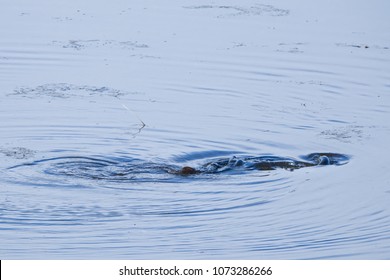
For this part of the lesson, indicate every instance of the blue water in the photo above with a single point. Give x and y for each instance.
(101, 106)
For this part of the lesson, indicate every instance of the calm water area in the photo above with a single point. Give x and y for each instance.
(102, 103)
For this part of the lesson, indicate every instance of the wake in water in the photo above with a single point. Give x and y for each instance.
(138, 170)
(264, 163)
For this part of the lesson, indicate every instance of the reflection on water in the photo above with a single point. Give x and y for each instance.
(124, 139)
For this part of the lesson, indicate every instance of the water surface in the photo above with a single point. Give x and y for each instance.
(98, 104)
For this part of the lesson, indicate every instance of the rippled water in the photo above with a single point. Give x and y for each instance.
(101, 106)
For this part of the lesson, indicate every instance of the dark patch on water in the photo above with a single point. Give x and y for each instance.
(344, 134)
(362, 46)
(257, 10)
(84, 44)
(17, 152)
(64, 90)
